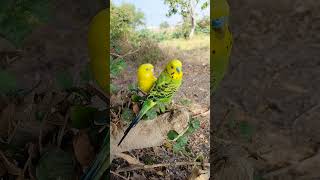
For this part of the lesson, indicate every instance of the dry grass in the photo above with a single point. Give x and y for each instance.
(197, 42)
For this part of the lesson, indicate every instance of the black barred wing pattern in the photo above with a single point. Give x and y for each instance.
(164, 88)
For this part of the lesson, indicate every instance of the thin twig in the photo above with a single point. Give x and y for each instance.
(99, 93)
(305, 113)
(129, 159)
(122, 56)
(40, 131)
(162, 165)
(112, 172)
(144, 94)
(201, 114)
(62, 129)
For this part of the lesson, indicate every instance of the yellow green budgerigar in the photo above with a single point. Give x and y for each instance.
(98, 45)
(145, 77)
(162, 91)
(221, 41)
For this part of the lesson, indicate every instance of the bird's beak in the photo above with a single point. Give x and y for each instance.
(178, 69)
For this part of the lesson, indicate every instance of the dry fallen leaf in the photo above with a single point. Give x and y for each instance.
(3, 170)
(11, 168)
(83, 149)
(198, 174)
(6, 117)
(135, 108)
(129, 159)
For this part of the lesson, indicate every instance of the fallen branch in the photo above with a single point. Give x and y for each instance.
(124, 55)
(129, 159)
(95, 90)
(162, 165)
(114, 173)
(201, 114)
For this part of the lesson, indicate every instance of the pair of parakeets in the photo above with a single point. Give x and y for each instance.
(159, 90)
(163, 88)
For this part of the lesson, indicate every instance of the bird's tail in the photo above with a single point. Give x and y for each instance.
(101, 163)
(145, 108)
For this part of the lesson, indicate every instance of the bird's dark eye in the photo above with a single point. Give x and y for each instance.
(218, 23)
(171, 67)
(147, 69)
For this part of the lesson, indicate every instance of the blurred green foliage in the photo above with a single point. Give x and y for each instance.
(124, 19)
(55, 164)
(246, 130)
(19, 17)
(64, 79)
(117, 66)
(164, 25)
(8, 82)
(127, 114)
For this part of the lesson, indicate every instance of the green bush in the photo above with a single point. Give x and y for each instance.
(156, 36)
(124, 19)
(149, 52)
(203, 26)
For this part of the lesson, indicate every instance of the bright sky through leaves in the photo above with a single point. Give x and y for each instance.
(155, 11)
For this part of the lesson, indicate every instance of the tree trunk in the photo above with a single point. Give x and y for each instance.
(193, 27)
(193, 19)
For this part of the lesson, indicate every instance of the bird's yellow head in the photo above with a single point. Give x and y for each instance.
(174, 69)
(220, 14)
(145, 71)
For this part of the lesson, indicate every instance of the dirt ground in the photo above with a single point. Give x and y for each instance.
(273, 87)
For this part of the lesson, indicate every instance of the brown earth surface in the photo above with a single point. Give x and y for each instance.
(269, 100)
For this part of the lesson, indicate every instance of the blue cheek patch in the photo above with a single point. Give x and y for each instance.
(218, 23)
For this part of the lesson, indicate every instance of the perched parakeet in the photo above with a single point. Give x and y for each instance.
(145, 77)
(221, 41)
(98, 45)
(162, 91)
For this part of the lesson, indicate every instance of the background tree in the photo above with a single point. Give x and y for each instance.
(187, 9)
(164, 25)
(124, 18)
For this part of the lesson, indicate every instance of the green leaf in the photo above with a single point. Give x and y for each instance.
(127, 114)
(172, 134)
(85, 74)
(195, 123)
(18, 18)
(180, 144)
(258, 177)
(151, 114)
(55, 164)
(246, 129)
(82, 116)
(117, 66)
(185, 102)
(132, 87)
(64, 79)
(113, 88)
(100, 117)
(162, 107)
(39, 115)
(136, 98)
(231, 120)
(204, 5)
(183, 140)
(8, 82)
